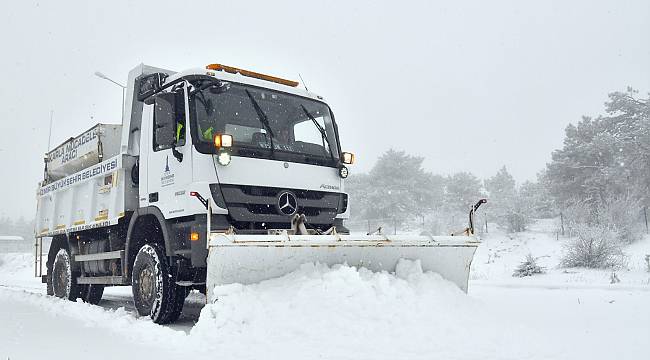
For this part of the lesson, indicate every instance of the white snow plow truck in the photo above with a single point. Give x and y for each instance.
(216, 175)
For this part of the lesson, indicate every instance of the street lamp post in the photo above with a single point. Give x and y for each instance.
(102, 76)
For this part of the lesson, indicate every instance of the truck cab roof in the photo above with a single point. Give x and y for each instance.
(238, 78)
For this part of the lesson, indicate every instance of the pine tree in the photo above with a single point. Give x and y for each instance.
(507, 206)
(395, 188)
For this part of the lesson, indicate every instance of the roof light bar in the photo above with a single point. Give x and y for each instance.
(253, 74)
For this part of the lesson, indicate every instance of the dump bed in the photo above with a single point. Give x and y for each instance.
(87, 183)
(94, 197)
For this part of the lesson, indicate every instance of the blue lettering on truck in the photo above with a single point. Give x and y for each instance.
(86, 174)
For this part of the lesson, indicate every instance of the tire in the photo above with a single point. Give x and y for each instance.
(92, 293)
(188, 291)
(155, 292)
(63, 278)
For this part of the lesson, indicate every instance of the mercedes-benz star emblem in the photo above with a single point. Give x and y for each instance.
(287, 203)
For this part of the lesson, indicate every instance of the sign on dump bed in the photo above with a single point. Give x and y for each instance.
(102, 141)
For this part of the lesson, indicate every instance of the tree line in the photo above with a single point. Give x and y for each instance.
(600, 177)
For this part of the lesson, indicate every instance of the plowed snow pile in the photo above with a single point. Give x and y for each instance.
(345, 313)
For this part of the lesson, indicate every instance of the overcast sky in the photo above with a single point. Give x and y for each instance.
(469, 85)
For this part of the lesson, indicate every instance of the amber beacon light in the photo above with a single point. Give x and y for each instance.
(252, 74)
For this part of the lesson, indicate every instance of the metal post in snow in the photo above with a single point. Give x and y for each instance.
(40, 256)
(35, 259)
(645, 216)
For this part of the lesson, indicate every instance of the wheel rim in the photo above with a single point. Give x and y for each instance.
(146, 286)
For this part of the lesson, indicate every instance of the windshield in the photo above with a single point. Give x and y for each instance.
(265, 123)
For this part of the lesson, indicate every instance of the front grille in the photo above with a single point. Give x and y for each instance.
(274, 192)
(256, 206)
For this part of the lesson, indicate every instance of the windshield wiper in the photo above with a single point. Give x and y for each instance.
(205, 84)
(320, 129)
(262, 117)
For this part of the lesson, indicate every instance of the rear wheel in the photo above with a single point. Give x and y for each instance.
(155, 292)
(63, 278)
(92, 293)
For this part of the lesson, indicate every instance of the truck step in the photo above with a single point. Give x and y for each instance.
(106, 280)
(118, 254)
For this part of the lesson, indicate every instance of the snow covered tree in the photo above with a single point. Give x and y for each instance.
(462, 190)
(540, 202)
(395, 188)
(502, 190)
(528, 267)
(506, 205)
(606, 162)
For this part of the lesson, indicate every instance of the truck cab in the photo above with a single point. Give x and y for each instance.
(258, 147)
(262, 151)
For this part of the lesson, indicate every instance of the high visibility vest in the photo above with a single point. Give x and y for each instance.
(208, 134)
(179, 129)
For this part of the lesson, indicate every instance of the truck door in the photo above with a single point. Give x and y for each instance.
(169, 169)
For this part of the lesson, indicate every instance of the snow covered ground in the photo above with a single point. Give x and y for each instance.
(345, 313)
(500, 253)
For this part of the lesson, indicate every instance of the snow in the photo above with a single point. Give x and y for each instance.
(35, 326)
(500, 253)
(346, 313)
(11, 238)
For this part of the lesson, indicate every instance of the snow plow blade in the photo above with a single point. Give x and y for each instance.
(248, 259)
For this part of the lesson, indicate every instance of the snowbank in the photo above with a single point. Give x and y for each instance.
(17, 270)
(345, 313)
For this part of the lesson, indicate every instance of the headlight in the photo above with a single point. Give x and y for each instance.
(223, 158)
(343, 172)
(222, 140)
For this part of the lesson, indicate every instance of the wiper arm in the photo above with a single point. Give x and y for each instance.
(262, 117)
(320, 129)
(206, 83)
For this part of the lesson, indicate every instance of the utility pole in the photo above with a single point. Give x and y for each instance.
(49, 136)
(102, 76)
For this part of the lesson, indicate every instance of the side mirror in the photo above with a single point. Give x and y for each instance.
(150, 84)
(164, 115)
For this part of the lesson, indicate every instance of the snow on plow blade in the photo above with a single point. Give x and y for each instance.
(248, 259)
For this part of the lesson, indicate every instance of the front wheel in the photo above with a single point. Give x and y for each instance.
(155, 292)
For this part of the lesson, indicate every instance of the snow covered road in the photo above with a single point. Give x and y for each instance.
(337, 313)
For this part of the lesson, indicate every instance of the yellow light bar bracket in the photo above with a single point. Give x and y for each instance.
(253, 74)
